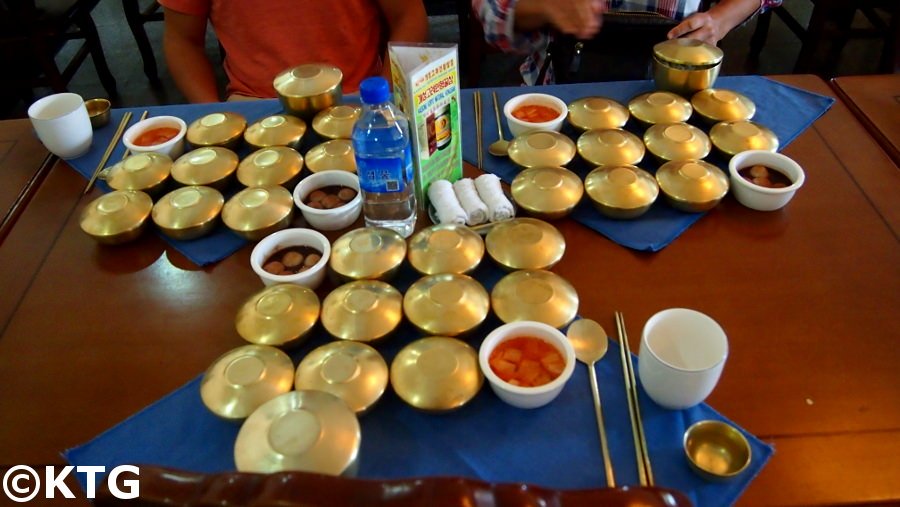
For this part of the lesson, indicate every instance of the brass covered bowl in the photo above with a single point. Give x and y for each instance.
(352, 371)
(244, 378)
(692, 185)
(188, 212)
(536, 295)
(597, 113)
(276, 130)
(660, 107)
(336, 154)
(445, 248)
(542, 148)
(336, 122)
(436, 374)
(280, 315)
(677, 141)
(278, 165)
(547, 192)
(525, 243)
(686, 66)
(307, 431)
(307, 89)
(363, 311)
(610, 147)
(447, 304)
(148, 172)
(368, 253)
(716, 450)
(217, 129)
(715, 105)
(212, 166)
(733, 137)
(117, 217)
(256, 212)
(621, 191)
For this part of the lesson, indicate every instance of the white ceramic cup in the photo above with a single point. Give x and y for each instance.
(62, 124)
(681, 357)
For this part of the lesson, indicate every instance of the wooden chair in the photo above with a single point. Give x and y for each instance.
(136, 15)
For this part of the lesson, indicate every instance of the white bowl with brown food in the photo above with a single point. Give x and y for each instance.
(764, 180)
(297, 256)
(329, 200)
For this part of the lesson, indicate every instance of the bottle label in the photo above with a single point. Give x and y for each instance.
(385, 175)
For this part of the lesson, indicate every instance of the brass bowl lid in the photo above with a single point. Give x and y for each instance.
(204, 166)
(690, 53)
(445, 248)
(692, 181)
(660, 107)
(334, 154)
(733, 137)
(436, 373)
(275, 130)
(610, 147)
(280, 314)
(525, 243)
(367, 253)
(363, 311)
(275, 165)
(542, 148)
(621, 187)
(537, 295)
(677, 141)
(352, 371)
(597, 113)
(447, 304)
(141, 171)
(216, 129)
(336, 122)
(257, 208)
(308, 431)
(308, 80)
(115, 213)
(188, 207)
(547, 190)
(244, 378)
(723, 105)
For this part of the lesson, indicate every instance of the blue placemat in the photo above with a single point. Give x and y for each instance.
(554, 446)
(788, 111)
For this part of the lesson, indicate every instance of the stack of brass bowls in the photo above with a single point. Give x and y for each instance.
(336, 154)
(733, 137)
(188, 212)
(244, 378)
(621, 191)
(363, 311)
(212, 167)
(148, 172)
(610, 147)
(116, 217)
(660, 107)
(686, 66)
(278, 165)
(336, 122)
(368, 253)
(525, 243)
(445, 248)
(352, 371)
(715, 105)
(597, 113)
(276, 130)
(436, 374)
(537, 295)
(256, 212)
(547, 192)
(542, 148)
(446, 304)
(677, 141)
(281, 315)
(307, 89)
(692, 185)
(217, 129)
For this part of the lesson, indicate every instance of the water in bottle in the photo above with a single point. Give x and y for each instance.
(381, 143)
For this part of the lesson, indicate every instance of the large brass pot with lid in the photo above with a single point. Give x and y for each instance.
(117, 217)
(256, 212)
(307, 89)
(686, 66)
(211, 166)
(244, 378)
(436, 374)
(147, 172)
(621, 191)
(217, 129)
(188, 212)
(692, 185)
(447, 304)
(276, 130)
(280, 315)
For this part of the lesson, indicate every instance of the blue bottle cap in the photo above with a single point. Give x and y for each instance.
(374, 90)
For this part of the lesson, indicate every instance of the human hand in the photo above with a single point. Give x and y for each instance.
(579, 18)
(701, 26)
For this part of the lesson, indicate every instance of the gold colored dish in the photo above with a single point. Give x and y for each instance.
(256, 212)
(336, 122)
(280, 315)
(689, 53)
(213, 167)
(692, 185)
(278, 165)
(542, 148)
(597, 113)
(306, 89)
(677, 141)
(188, 212)
(276, 130)
(117, 217)
(525, 243)
(148, 172)
(610, 147)
(686, 66)
(336, 154)
(445, 248)
(621, 191)
(244, 378)
(363, 311)
(352, 371)
(368, 253)
(715, 105)
(436, 374)
(537, 295)
(217, 129)
(447, 304)
(733, 137)
(547, 192)
(716, 450)
(660, 107)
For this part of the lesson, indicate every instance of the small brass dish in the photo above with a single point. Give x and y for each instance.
(307, 89)
(542, 148)
(660, 107)
(610, 147)
(99, 112)
(244, 378)
(446, 304)
(368, 253)
(436, 374)
(597, 113)
(715, 105)
(212, 167)
(352, 371)
(548, 193)
(525, 243)
(256, 212)
(277, 165)
(716, 450)
(336, 122)
(622, 192)
(537, 295)
(692, 185)
(336, 154)
(280, 315)
(276, 130)
(686, 66)
(307, 431)
(188, 212)
(217, 129)
(117, 217)
(148, 172)
(445, 248)
(363, 311)
(733, 137)
(677, 141)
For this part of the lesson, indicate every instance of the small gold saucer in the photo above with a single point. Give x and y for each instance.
(525, 243)
(538, 295)
(447, 304)
(445, 248)
(542, 148)
(280, 315)
(352, 371)
(363, 311)
(256, 212)
(436, 374)
(244, 378)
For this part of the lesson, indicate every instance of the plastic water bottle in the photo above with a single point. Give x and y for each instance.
(381, 143)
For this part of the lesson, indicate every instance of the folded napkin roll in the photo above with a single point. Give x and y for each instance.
(476, 210)
(490, 191)
(445, 203)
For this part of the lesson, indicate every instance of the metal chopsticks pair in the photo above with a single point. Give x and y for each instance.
(478, 142)
(109, 149)
(645, 472)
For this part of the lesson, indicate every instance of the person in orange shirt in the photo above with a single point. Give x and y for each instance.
(264, 37)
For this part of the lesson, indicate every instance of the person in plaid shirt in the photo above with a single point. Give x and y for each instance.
(522, 26)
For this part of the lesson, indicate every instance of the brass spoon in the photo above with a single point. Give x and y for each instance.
(500, 147)
(590, 343)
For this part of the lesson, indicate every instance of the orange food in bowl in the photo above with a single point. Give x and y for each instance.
(526, 361)
(534, 113)
(156, 136)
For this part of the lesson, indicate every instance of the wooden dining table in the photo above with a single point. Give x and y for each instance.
(808, 297)
(23, 163)
(875, 100)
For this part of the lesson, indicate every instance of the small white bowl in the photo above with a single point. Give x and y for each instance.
(527, 397)
(329, 219)
(174, 147)
(285, 238)
(761, 198)
(518, 127)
